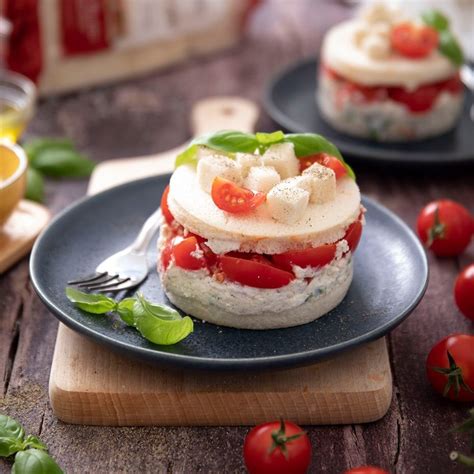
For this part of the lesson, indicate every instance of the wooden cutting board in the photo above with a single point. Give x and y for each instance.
(89, 384)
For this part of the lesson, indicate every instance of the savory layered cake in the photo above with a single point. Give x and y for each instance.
(260, 229)
(391, 78)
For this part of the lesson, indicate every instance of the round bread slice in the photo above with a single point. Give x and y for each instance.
(258, 232)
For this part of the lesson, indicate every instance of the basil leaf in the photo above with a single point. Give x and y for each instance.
(60, 162)
(92, 303)
(229, 141)
(150, 322)
(188, 157)
(311, 143)
(11, 436)
(125, 309)
(35, 461)
(32, 441)
(435, 19)
(38, 145)
(270, 138)
(158, 310)
(34, 185)
(449, 46)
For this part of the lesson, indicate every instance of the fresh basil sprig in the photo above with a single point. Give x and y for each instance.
(448, 44)
(55, 158)
(230, 142)
(31, 456)
(157, 323)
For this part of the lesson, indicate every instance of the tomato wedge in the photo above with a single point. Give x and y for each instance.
(326, 160)
(312, 257)
(254, 273)
(413, 41)
(419, 100)
(188, 255)
(353, 234)
(232, 198)
(164, 206)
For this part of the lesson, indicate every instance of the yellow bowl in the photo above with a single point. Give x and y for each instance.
(13, 164)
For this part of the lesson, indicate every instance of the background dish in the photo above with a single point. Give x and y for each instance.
(290, 101)
(97, 226)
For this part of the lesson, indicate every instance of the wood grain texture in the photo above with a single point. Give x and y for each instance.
(91, 385)
(18, 234)
(150, 115)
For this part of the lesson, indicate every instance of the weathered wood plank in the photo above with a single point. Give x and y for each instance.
(150, 115)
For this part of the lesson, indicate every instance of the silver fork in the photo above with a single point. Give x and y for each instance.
(467, 77)
(127, 268)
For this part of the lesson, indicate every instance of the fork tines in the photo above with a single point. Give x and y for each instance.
(100, 282)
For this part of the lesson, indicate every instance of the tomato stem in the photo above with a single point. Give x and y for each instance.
(454, 375)
(437, 230)
(280, 439)
(462, 459)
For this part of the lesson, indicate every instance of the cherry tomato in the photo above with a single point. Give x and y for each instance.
(258, 272)
(450, 367)
(187, 254)
(417, 101)
(353, 234)
(413, 41)
(277, 448)
(453, 85)
(232, 198)
(464, 292)
(311, 257)
(366, 470)
(326, 160)
(445, 227)
(164, 206)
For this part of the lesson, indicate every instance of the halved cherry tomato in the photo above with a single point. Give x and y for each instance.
(254, 273)
(445, 227)
(353, 234)
(464, 292)
(187, 254)
(413, 41)
(417, 101)
(326, 160)
(164, 206)
(453, 84)
(277, 448)
(232, 198)
(450, 367)
(312, 257)
(366, 470)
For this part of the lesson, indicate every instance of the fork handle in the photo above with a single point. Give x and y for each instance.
(148, 230)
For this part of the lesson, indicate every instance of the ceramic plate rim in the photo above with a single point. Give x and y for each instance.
(195, 362)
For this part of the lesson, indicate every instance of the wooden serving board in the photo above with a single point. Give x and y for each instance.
(89, 384)
(19, 232)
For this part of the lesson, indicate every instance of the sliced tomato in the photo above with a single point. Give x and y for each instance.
(419, 100)
(187, 254)
(164, 206)
(232, 198)
(312, 257)
(413, 41)
(326, 160)
(258, 274)
(166, 254)
(453, 85)
(353, 234)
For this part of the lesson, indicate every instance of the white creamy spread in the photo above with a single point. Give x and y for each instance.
(341, 51)
(241, 299)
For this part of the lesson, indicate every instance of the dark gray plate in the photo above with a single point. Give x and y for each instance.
(290, 101)
(390, 278)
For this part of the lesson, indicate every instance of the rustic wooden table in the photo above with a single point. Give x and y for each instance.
(151, 114)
